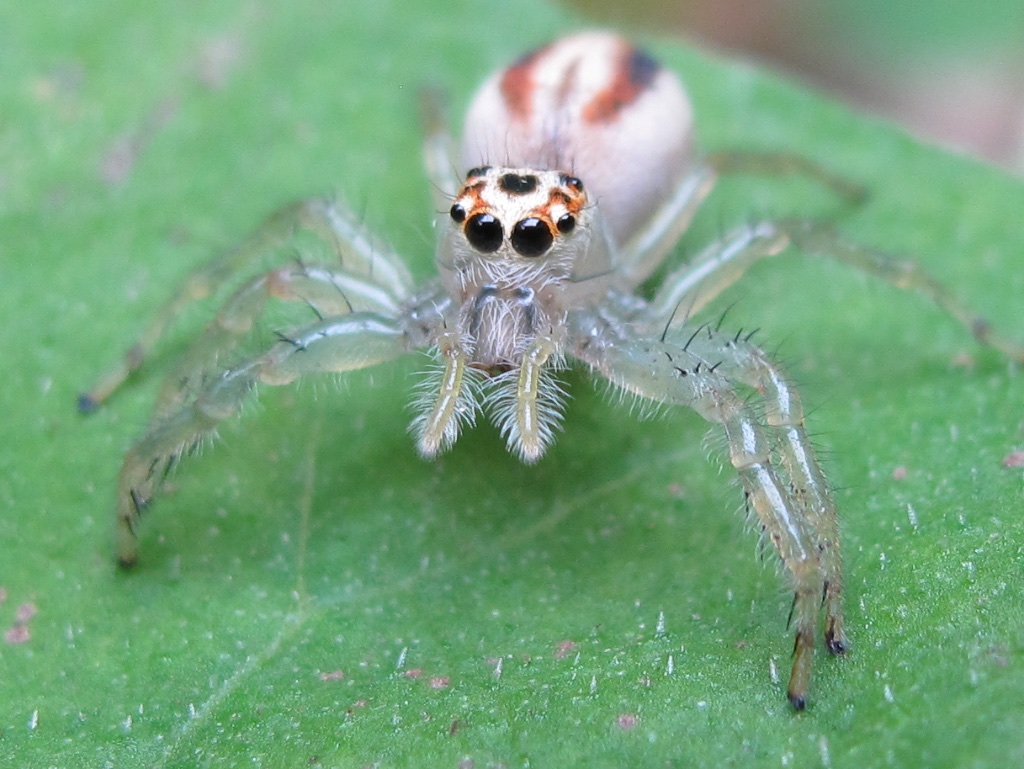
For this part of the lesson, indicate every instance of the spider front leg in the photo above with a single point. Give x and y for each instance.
(801, 526)
(326, 292)
(333, 224)
(354, 341)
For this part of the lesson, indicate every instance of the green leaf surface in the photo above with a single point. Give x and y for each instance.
(312, 593)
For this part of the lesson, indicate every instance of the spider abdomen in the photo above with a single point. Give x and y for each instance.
(593, 105)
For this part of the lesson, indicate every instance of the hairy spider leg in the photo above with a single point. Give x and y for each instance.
(453, 404)
(720, 265)
(671, 373)
(906, 274)
(646, 250)
(335, 225)
(691, 287)
(525, 412)
(325, 291)
(773, 163)
(740, 361)
(354, 341)
(526, 418)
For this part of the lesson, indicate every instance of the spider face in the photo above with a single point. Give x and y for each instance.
(512, 243)
(517, 214)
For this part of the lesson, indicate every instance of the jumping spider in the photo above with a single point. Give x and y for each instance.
(582, 179)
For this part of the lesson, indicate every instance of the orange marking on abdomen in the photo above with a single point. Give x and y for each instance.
(517, 84)
(634, 73)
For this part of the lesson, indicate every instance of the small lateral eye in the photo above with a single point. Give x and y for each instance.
(566, 223)
(484, 233)
(458, 213)
(572, 182)
(531, 237)
(477, 171)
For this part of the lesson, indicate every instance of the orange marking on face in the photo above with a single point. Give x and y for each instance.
(573, 203)
(471, 197)
(568, 196)
(559, 196)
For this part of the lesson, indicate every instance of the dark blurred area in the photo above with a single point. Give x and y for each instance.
(951, 71)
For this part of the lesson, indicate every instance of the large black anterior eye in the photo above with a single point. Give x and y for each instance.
(531, 237)
(484, 233)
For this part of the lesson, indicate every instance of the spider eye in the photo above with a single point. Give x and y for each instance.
(531, 237)
(572, 182)
(484, 233)
(458, 213)
(518, 184)
(566, 223)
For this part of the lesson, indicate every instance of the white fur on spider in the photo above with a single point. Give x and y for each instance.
(592, 105)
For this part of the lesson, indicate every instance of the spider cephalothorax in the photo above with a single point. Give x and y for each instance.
(509, 255)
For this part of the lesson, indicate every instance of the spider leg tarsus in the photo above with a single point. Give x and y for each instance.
(981, 329)
(87, 403)
(800, 679)
(834, 644)
(127, 562)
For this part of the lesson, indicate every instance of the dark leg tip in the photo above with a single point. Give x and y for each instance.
(836, 645)
(798, 701)
(127, 562)
(87, 404)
